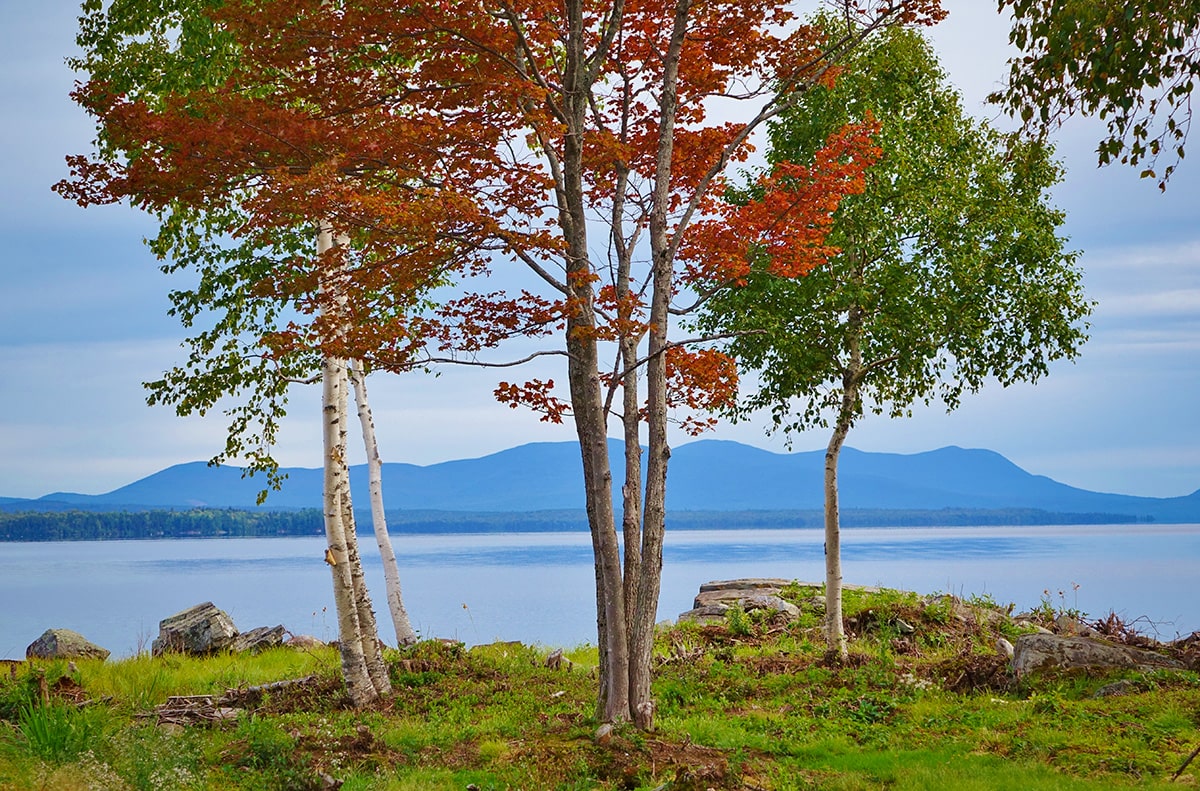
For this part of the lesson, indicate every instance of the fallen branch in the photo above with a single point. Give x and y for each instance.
(1190, 758)
(209, 709)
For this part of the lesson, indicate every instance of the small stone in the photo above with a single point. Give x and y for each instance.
(1115, 689)
(304, 641)
(904, 626)
(1005, 648)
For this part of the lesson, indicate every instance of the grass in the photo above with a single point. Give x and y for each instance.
(923, 703)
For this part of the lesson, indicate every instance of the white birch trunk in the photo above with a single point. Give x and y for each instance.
(354, 642)
(359, 685)
(405, 635)
(835, 633)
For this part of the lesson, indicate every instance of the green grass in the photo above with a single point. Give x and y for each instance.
(753, 704)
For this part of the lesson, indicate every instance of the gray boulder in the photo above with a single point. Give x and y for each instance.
(199, 630)
(64, 644)
(771, 603)
(260, 639)
(1047, 651)
(757, 593)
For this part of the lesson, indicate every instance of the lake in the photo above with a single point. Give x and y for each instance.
(539, 587)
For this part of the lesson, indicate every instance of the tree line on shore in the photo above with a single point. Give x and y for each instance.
(79, 525)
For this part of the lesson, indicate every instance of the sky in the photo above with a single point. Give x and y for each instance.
(83, 320)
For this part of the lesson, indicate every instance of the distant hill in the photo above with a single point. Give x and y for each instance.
(709, 475)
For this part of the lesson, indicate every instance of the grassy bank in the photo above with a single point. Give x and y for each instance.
(749, 704)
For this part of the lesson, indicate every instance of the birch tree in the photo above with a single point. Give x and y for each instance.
(950, 270)
(213, 219)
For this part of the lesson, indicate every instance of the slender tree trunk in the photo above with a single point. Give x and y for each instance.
(583, 376)
(659, 451)
(835, 634)
(631, 490)
(372, 648)
(391, 573)
(358, 681)
(357, 640)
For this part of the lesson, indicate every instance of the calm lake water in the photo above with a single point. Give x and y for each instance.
(539, 587)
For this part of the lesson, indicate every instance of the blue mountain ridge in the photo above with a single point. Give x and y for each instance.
(707, 475)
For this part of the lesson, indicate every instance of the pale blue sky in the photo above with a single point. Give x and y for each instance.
(83, 320)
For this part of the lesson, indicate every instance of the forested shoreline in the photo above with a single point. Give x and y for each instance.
(82, 525)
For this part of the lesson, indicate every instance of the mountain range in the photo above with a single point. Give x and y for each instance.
(707, 475)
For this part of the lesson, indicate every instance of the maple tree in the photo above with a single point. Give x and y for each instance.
(1133, 64)
(441, 139)
(615, 99)
(949, 269)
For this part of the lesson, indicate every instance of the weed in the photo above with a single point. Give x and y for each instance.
(738, 621)
(59, 732)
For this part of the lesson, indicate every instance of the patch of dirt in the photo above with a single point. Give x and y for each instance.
(971, 672)
(315, 694)
(68, 690)
(358, 747)
(687, 766)
(779, 664)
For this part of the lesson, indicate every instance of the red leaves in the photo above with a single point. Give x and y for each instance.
(700, 380)
(788, 218)
(484, 321)
(535, 395)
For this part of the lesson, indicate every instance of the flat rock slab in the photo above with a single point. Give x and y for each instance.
(756, 593)
(203, 629)
(772, 583)
(260, 639)
(64, 644)
(1048, 651)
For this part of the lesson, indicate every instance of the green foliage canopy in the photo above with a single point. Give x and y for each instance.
(951, 270)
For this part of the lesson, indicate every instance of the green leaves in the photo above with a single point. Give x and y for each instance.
(1133, 64)
(951, 271)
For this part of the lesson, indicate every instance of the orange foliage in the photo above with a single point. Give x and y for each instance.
(433, 135)
(789, 218)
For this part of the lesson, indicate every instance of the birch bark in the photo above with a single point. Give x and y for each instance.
(835, 634)
(359, 685)
(405, 635)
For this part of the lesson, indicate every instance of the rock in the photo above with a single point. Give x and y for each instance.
(726, 597)
(259, 639)
(304, 641)
(1122, 687)
(775, 584)
(710, 613)
(1005, 648)
(712, 606)
(1041, 651)
(64, 644)
(771, 603)
(198, 630)
(904, 627)
(1031, 626)
(1068, 625)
